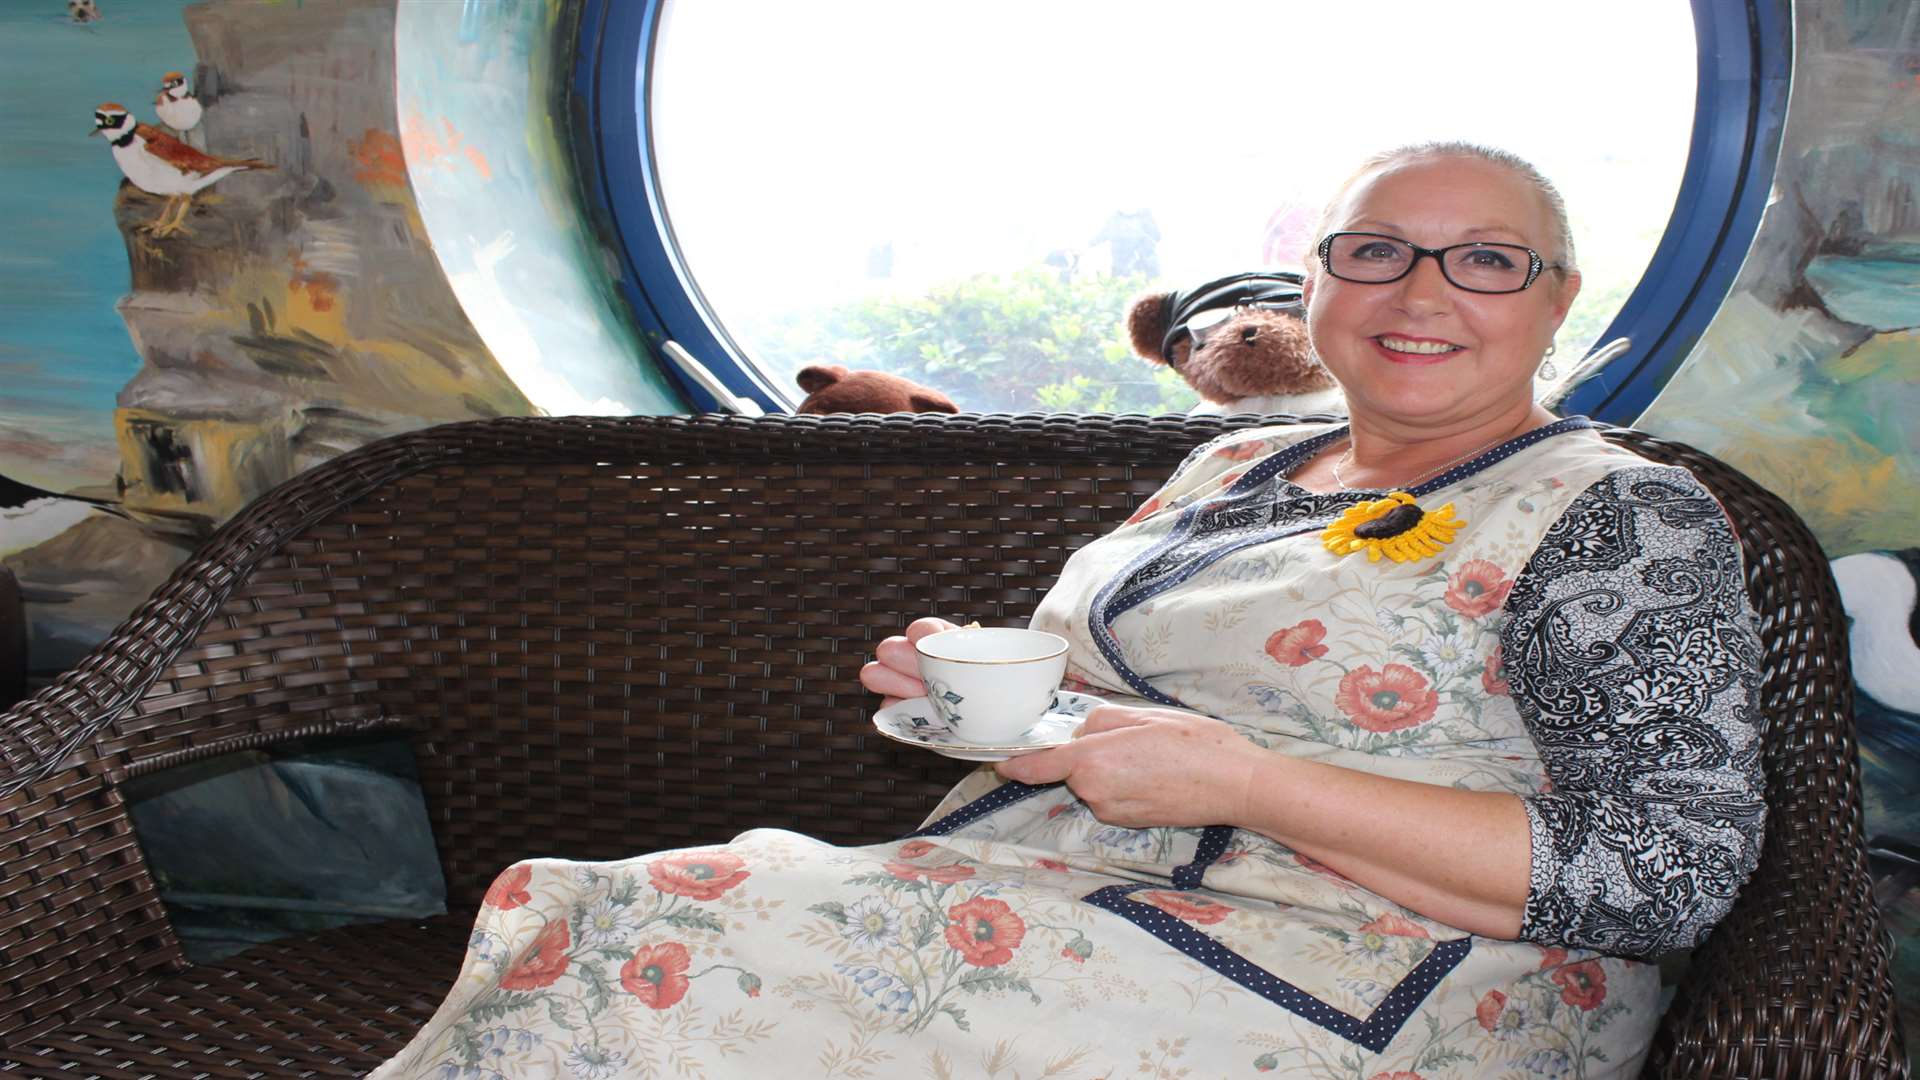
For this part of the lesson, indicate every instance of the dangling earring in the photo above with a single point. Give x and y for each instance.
(1547, 371)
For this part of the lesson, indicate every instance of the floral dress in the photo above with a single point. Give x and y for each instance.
(1581, 640)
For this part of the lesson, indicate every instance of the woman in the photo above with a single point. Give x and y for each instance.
(1418, 727)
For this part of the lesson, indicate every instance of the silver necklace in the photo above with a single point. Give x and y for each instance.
(1347, 457)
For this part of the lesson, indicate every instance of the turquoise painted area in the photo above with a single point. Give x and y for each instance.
(64, 352)
(1879, 287)
(476, 91)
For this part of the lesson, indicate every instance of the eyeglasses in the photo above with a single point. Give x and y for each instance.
(1482, 268)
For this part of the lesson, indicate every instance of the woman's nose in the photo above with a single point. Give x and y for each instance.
(1425, 286)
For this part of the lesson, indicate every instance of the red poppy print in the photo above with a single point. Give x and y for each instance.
(1392, 698)
(1054, 865)
(697, 875)
(1315, 866)
(509, 890)
(945, 875)
(657, 975)
(984, 932)
(1298, 644)
(1186, 906)
(543, 962)
(1396, 926)
(1492, 1004)
(1552, 956)
(1583, 984)
(1477, 588)
(913, 849)
(1493, 679)
(1147, 510)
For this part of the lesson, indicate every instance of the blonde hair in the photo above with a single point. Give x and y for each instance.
(1564, 261)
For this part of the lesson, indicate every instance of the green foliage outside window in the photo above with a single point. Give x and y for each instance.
(1032, 341)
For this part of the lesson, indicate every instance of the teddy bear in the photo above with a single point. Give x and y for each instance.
(1241, 342)
(833, 389)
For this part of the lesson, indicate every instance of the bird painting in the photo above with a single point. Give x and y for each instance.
(177, 107)
(83, 11)
(160, 164)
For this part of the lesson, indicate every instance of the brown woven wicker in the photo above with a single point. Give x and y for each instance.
(615, 635)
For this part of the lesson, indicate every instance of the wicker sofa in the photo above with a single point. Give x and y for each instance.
(607, 636)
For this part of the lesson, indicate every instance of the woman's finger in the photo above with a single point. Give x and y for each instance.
(1111, 718)
(931, 624)
(897, 653)
(891, 682)
(1044, 767)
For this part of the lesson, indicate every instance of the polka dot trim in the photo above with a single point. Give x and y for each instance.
(1213, 844)
(1373, 1033)
(1007, 794)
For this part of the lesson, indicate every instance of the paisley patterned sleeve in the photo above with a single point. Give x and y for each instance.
(1632, 655)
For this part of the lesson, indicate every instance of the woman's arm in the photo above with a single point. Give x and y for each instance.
(1633, 660)
(1459, 857)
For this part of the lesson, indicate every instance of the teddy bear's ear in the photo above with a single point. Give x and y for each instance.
(1147, 324)
(924, 400)
(819, 376)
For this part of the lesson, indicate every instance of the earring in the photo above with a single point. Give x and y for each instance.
(1547, 371)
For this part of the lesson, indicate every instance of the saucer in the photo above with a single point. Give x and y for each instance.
(914, 722)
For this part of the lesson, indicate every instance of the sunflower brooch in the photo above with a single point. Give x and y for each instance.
(1394, 526)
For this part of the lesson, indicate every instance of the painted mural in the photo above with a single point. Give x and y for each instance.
(259, 261)
(493, 175)
(1809, 380)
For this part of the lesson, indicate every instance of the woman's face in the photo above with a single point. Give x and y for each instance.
(1419, 352)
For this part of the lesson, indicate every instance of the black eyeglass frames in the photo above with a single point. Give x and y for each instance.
(1376, 259)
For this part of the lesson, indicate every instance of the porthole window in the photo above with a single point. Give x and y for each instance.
(971, 195)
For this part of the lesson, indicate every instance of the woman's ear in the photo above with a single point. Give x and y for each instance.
(1564, 296)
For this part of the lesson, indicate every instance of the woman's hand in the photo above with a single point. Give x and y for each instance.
(1139, 767)
(894, 671)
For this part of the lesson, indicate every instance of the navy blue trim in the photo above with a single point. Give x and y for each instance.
(1373, 1033)
(1495, 456)
(1213, 844)
(613, 65)
(1740, 109)
(1006, 795)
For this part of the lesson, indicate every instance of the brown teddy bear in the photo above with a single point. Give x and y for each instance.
(833, 389)
(1241, 342)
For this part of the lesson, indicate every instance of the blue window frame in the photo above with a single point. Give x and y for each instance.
(1745, 61)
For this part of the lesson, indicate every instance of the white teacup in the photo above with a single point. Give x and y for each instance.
(990, 684)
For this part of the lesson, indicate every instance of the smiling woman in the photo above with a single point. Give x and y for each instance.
(976, 215)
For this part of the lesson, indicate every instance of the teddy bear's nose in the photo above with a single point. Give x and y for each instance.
(1247, 335)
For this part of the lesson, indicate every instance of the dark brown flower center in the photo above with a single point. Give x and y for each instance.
(1390, 524)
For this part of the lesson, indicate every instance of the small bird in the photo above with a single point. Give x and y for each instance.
(160, 164)
(83, 11)
(176, 105)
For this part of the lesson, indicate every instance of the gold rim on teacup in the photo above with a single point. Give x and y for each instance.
(1064, 645)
